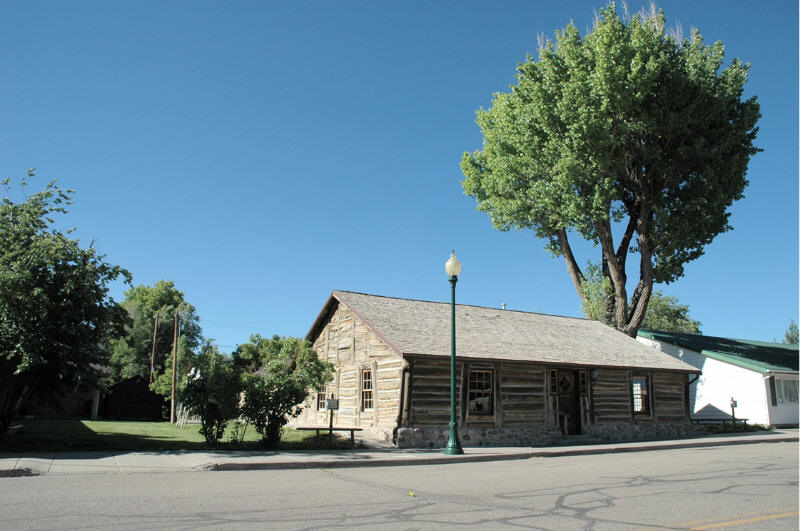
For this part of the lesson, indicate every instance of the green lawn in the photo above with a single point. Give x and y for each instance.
(58, 435)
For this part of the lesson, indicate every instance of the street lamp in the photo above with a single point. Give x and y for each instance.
(453, 268)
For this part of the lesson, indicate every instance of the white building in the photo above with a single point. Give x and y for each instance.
(761, 377)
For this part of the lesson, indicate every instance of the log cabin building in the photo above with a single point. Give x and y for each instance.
(522, 378)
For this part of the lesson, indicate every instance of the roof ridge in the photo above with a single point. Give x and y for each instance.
(465, 305)
(414, 327)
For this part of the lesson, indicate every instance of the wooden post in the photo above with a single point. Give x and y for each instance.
(153, 352)
(330, 430)
(174, 363)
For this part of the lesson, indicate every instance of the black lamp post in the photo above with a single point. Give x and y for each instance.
(453, 268)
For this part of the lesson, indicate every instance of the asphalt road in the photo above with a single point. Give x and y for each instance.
(742, 487)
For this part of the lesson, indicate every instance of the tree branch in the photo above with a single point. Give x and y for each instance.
(572, 266)
(616, 273)
(625, 242)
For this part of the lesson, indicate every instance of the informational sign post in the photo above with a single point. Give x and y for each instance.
(332, 404)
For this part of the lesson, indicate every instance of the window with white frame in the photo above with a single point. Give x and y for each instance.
(641, 395)
(480, 392)
(321, 397)
(367, 401)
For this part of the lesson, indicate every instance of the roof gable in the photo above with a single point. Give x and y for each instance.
(412, 327)
(754, 355)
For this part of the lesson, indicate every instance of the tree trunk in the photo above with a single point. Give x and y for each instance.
(616, 270)
(645, 287)
(572, 266)
(622, 316)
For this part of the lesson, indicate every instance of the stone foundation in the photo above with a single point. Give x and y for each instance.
(436, 437)
(622, 431)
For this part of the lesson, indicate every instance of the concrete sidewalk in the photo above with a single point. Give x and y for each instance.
(24, 464)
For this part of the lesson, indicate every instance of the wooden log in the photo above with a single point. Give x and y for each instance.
(524, 393)
(531, 416)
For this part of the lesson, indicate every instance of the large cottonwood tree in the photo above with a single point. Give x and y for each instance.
(631, 137)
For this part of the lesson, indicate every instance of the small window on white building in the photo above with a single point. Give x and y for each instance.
(787, 392)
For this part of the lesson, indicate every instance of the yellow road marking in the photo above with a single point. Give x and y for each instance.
(747, 520)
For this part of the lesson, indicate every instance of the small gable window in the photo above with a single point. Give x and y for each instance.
(366, 390)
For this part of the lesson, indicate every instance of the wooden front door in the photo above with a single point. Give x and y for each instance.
(569, 405)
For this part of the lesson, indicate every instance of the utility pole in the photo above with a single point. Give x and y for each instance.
(174, 363)
(153, 353)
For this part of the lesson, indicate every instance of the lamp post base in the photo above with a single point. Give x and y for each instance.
(453, 444)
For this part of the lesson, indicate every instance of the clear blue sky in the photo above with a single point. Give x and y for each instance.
(261, 154)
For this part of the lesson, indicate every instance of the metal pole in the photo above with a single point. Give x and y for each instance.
(153, 353)
(330, 431)
(453, 444)
(174, 361)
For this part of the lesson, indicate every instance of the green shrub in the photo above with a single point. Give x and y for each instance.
(212, 393)
(289, 368)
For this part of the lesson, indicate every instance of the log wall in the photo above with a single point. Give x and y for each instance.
(352, 347)
(523, 395)
(429, 392)
(669, 397)
(611, 397)
(519, 394)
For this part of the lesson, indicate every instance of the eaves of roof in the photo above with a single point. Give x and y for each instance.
(745, 363)
(753, 355)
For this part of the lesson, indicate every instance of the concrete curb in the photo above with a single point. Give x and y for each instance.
(587, 450)
(397, 461)
(527, 454)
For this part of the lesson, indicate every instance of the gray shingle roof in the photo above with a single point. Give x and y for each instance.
(421, 327)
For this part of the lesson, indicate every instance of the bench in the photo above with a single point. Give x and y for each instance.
(720, 420)
(331, 430)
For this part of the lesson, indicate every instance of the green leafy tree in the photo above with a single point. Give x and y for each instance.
(131, 353)
(667, 314)
(212, 392)
(56, 316)
(595, 290)
(250, 357)
(630, 137)
(664, 313)
(286, 369)
(791, 335)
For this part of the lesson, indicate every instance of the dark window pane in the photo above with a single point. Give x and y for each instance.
(480, 392)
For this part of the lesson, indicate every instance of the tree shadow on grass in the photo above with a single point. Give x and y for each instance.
(75, 435)
(69, 435)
